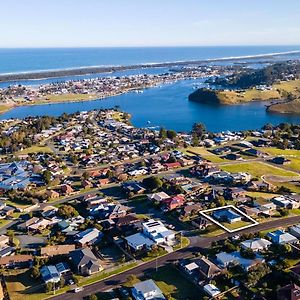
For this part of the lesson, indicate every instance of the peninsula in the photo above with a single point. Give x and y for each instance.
(95, 88)
(279, 84)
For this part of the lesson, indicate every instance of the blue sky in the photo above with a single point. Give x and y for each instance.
(67, 23)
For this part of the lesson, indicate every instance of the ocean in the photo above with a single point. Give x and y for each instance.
(42, 59)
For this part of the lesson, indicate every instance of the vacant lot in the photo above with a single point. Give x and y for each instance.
(257, 169)
(203, 152)
(280, 152)
(36, 149)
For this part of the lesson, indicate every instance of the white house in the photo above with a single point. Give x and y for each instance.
(147, 290)
(157, 232)
(211, 290)
(158, 196)
(256, 244)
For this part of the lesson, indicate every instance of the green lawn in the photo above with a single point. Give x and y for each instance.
(261, 195)
(4, 222)
(35, 149)
(257, 169)
(102, 275)
(172, 283)
(211, 231)
(184, 242)
(293, 187)
(236, 225)
(280, 152)
(204, 153)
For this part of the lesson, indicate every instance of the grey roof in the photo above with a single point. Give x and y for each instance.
(82, 257)
(256, 244)
(148, 286)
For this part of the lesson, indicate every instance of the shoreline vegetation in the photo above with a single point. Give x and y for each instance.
(110, 69)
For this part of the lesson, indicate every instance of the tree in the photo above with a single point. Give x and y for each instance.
(284, 212)
(62, 282)
(49, 287)
(195, 140)
(152, 183)
(67, 211)
(171, 134)
(86, 175)
(247, 253)
(198, 130)
(35, 272)
(162, 133)
(93, 297)
(47, 176)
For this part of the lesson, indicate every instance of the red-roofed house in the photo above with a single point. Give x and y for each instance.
(174, 202)
(173, 165)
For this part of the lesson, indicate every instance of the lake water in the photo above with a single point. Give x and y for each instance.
(168, 106)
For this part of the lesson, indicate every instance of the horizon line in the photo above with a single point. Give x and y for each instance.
(148, 46)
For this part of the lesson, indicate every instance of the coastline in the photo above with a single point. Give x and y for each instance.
(7, 77)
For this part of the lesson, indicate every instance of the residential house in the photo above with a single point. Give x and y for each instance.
(54, 273)
(211, 290)
(25, 225)
(225, 260)
(173, 202)
(85, 261)
(157, 232)
(158, 197)
(126, 221)
(191, 209)
(52, 194)
(257, 244)
(66, 189)
(139, 241)
(285, 202)
(147, 290)
(295, 231)
(50, 274)
(49, 211)
(281, 237)
(279, 160)
(89, 236)
(206, 268)
(17, 261)
(133, 187)
(227, 215)
(4, 241)
(249, 210)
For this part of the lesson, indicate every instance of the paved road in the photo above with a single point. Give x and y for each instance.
(197, 243)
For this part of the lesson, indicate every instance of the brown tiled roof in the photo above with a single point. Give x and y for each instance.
(15, 259)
